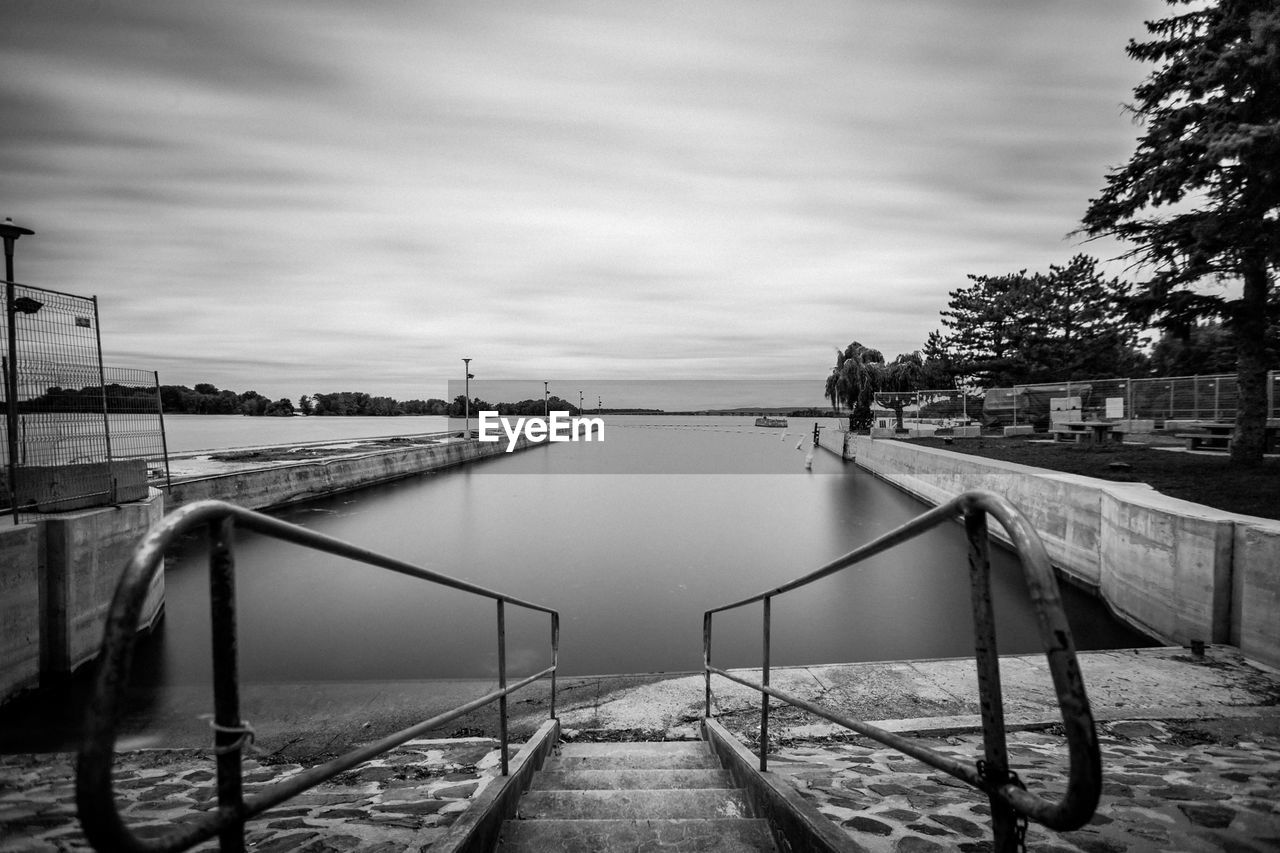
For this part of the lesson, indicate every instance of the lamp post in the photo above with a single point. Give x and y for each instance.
(546, 400)
(579, 402)
(11, 233)
(466, 396)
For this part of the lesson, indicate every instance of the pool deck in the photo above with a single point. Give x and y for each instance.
(1191, 751)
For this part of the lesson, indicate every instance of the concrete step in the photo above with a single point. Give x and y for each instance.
(589, 780)
(633, 804)
(669, 755)
(636, 836)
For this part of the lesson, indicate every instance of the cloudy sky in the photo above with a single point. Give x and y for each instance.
(302, 196)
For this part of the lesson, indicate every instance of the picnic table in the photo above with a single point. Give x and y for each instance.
(1087, 432)
(1216, 435)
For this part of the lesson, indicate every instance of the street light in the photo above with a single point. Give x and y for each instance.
(579, 402)
(546, 400)
(11, 233)
(466, 396)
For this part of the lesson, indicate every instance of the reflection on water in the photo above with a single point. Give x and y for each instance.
(631, 539)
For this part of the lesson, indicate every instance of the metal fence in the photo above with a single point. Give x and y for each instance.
(1211, 397)
(76, 433)
(940, 407)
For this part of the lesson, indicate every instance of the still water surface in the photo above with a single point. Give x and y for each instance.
(631, 539)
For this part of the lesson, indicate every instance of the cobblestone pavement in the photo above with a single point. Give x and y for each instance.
(1166, 786)
(1199, 785)
(398, 802)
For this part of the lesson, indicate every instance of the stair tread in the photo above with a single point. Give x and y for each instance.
(637, 836)
(633, 755)
(625, 778)
(634, 803)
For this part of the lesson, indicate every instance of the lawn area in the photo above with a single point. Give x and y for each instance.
(1208, 479)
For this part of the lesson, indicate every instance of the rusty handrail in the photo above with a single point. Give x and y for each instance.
(1011, 803)
(95, 797)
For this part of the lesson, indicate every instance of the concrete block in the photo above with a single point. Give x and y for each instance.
(1137, 426)
(85, 553)
(1256, 591)
(19, 607)
(966, 432)
(884, 432)
(1166, 563)
(60, 488)
(1020, 429)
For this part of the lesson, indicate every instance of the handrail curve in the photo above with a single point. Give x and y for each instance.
(102, 823)
(1009, 798)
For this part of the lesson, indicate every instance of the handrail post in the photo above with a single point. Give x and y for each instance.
(764, 697)
(706, 658)
(555, 658)
(229, 730)
(502, 684)
(995, 767)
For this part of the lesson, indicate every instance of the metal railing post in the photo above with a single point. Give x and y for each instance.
(555, 658)
(706, 658)
(995, 767)
(764, 697)
(229, 731)
(502, 684)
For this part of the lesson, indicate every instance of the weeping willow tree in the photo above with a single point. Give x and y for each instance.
(861, 372)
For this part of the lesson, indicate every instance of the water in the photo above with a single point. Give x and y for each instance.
(185, 433)
(631, 539)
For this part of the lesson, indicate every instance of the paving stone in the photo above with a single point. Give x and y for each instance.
(1213, 817)
(869, 825)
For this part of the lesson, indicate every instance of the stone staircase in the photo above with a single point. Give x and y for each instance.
(602, 797)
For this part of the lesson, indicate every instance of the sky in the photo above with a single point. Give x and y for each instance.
(302, 196)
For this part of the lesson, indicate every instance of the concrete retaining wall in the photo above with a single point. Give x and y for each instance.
(58, 574)
(85, 553)
(19, 607)
(276, 485)
(1176, 569)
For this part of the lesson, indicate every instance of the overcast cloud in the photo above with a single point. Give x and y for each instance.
(302, 196)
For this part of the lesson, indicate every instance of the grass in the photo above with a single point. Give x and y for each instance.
(1205, 478)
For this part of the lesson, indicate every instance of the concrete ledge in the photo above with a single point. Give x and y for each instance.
(279, 484)
(480, 825)
(799, 823)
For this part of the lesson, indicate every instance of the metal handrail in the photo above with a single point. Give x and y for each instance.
(95, 798)
(1011, 803)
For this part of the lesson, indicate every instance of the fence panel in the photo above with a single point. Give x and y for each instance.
(77, 434)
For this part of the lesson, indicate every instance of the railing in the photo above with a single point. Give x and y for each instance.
(94, 796)
(1011, 803)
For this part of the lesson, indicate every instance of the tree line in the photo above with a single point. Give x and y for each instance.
(1198, 204)
(208, 399)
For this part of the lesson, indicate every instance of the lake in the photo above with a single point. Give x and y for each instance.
(631, 539)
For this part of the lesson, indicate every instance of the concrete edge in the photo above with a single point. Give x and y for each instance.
(970, 723)
(803, 828)
(476, 830)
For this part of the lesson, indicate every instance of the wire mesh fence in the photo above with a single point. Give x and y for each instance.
(77, 434)
(939, 407)
(1213, 397)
